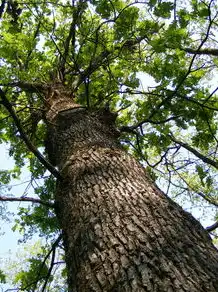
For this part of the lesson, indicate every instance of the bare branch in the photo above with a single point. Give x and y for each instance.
(212, 52)
(139, 124)
(207, 198)
(71, 38)
(25, 138)
(195, 152)
(26, 199)
(212, 227)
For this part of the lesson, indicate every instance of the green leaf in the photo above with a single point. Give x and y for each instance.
(2, 277)
(201, 173)
(204, 12)
(36, 272)
(152, 3)
(104, 8)
(163, 9)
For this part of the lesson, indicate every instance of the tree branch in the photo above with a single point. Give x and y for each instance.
(51, 251)
(207, 198)
(50, 269)
(25, 138)
(35, 35)
(38, 278)
(212, 227)
(195, 152)
(176, 91)
(202, 105)
(95, 64)
(212, 52)
(139, 124)
(31, 87)
(99, 60)
(26, 199)
(190, 188)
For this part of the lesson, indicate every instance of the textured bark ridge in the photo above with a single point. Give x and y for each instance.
(121, 233)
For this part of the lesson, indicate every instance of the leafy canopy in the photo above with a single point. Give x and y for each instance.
(154, 62)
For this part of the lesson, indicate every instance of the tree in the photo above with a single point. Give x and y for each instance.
(69, 72)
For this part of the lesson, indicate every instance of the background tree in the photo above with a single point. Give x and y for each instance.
(83, 60)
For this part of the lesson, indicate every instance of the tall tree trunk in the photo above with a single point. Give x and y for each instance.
(121, 233)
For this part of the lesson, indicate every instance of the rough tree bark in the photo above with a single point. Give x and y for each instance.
(121, 233)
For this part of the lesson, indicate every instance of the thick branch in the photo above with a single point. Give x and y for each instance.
(31, 87)
(26, 199)
(67, 47)
(207, 198)
(212, 52)
(212, 227)
(24, 137)
(195, 152)
(71, 38)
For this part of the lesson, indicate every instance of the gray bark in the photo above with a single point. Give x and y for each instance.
(121, 233)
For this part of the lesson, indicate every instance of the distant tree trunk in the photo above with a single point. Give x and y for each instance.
(121, 233)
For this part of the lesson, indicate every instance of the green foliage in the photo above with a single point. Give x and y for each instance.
(27, 279)
(163, 9)
(41, 219)
(38, 219)
(151, 61)
(2, 277)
